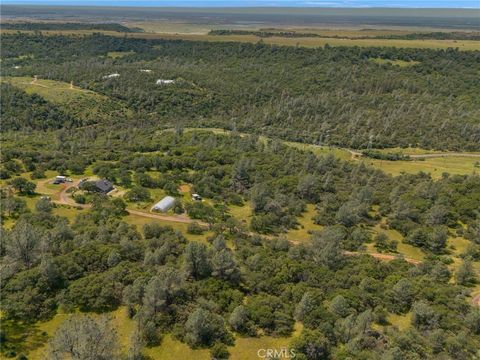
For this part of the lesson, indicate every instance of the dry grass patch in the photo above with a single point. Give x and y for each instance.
(303, 233)
(402, 322)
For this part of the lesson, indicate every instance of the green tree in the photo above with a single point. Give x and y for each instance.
(204, 328)
(473, 320)
(83, 337)
(240, 322)
(312, 344)
(219, 351)
(339, 306)
(44, 205)
(196, 263)
(465, 273)
(23, 186)
(438, 239)
(423, 316)
(161, 291)
(326, 247)
(224, 266)
(23, 244)
(401, 296)
(137, 194)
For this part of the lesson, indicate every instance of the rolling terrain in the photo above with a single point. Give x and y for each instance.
(339, 185)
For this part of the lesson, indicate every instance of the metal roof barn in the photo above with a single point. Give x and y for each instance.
(165, 204)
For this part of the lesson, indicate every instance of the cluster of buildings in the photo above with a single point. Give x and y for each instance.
(104, 186)
(158, 82)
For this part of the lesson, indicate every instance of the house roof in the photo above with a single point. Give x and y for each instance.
(104, 185)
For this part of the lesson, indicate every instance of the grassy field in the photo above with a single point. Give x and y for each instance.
(400, 63)
(36, 337)
(434, 166)
(139, 221)
(302, 234)
(402, 322)
(54, 91)
(80, 102)
(457, 165)
(119, 54)
(312, 42)
(407, 250)
(417, 151)
(321, 150)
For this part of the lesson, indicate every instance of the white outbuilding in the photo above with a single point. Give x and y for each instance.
(164, 82)
(115, 75)
(165, 204)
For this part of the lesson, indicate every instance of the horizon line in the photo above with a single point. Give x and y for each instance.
(3, 3)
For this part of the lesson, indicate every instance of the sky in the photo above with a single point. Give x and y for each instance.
(266, 3)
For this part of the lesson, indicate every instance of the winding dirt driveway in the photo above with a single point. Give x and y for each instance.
(66, 199)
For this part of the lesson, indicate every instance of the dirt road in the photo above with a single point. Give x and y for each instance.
(180, 219)
(476, 300)
(66, 199)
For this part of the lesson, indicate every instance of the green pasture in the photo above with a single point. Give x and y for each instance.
(400, 63)
(34, 340)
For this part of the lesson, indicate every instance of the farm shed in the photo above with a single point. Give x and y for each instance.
(165, 204)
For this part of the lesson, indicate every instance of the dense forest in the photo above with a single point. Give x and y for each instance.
(438, 35)
(198, 291)
(243, 278)
(329, 95)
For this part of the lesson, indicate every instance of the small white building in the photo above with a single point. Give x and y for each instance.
(115, 75)
(164, 82)
(165, 204)
(146, 70)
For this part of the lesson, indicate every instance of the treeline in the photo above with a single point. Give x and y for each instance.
(375, 154)
(266, 33)
(38, 26)
(438, 35)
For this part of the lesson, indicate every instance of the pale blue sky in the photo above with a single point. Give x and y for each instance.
(266, 3)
